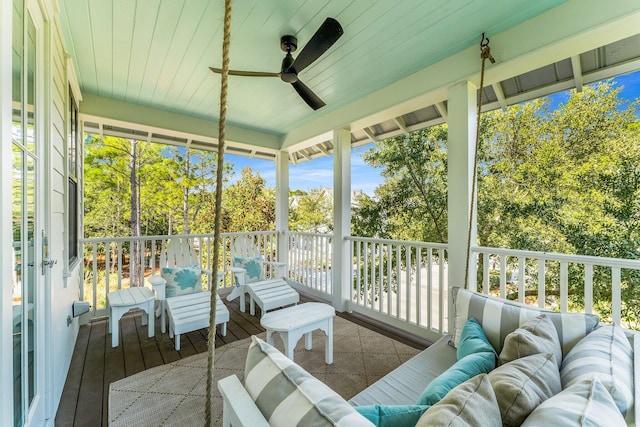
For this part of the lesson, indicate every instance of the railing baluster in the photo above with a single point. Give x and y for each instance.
(588, 288)
(119, 265)
(564, 287)
(382, 277)
(429, 288)
(442, 290)
(94, 253)
(521, 279)
(541, 283)
(409, 265)
(399, 280)
(486, 277)
(503, 276)
(418, 285)
(616, 301)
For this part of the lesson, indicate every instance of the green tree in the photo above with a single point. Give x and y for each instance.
(312, 212)
(412, 202)
(248, 204)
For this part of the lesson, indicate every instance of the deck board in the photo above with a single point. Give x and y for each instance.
(95, 364)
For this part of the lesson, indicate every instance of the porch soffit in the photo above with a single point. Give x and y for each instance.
(604, 43)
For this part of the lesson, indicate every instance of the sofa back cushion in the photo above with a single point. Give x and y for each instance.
(287, 395)
(500, 317)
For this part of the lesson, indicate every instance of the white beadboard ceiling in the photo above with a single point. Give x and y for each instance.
(155, 54)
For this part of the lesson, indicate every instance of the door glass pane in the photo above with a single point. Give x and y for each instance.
(17, 206)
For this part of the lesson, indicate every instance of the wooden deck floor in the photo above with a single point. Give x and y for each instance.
(95, 364)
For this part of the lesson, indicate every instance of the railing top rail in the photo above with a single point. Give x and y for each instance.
(399, 242)
(306, 233)
(169, 236)
(550, 256)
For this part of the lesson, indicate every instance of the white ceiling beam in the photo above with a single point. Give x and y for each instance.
(322, 150)
(502, 100)
(372, 136)
(305, 155)
(442, 110)
(292, 158)
(577, 72)
(401, 124)
(106, 111)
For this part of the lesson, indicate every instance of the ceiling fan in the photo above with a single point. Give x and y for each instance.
(328, 33)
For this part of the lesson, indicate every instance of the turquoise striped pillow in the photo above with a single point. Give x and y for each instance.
(289, 396)
(607, 353)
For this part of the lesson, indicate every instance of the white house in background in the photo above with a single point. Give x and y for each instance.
(140, 70)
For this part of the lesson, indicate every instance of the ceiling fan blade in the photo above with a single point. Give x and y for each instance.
(245, 73)
(328, 33)
(307, 94)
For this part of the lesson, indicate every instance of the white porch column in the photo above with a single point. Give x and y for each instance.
(462, 134)
(340, 262)
(282, 205)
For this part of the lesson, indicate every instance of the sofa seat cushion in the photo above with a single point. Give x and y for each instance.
(287, 395)
(536, 336)
(392, 415)
(585, 403)
(523, 384)
(472, 403)
(403, 385)
(605, 352)
(500, 317)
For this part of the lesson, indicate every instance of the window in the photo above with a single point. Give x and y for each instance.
(72, 198)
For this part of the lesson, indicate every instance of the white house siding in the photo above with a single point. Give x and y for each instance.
(64, 286)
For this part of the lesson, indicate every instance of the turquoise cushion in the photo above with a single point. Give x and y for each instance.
(473, 340)
(461, 371)
(393, 415)
(253, 267)
(181, 281)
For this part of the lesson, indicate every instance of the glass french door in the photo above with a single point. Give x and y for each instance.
(27, 281)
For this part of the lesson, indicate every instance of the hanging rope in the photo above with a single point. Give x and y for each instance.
(485, 53)
(224, 87)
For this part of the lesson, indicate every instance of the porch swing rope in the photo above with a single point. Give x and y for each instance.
(485, 53)
(216, 239)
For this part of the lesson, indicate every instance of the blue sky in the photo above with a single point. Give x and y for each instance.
(319, 172)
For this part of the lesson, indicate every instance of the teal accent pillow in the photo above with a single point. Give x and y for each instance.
(473, 340)
(461, 371)
(393, 415)
(253, 267)
(181, 281)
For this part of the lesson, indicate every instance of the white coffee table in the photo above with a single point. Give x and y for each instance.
(293, 322)
(123, 300)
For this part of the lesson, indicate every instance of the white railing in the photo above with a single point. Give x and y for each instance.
(559, 282)
(402, 283)
(309, 262)
(108, 265)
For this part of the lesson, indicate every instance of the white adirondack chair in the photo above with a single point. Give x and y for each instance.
(191, 311)
(243, 248)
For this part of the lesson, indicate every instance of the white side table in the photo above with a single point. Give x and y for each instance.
(123, 300)
(293, 322)
(158, 284)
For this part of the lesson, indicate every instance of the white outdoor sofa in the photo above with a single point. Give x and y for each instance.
(498, 318)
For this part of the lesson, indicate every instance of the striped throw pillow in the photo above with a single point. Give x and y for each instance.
(606, 353)
(500, 317)
(585, 403)
(288, 396)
